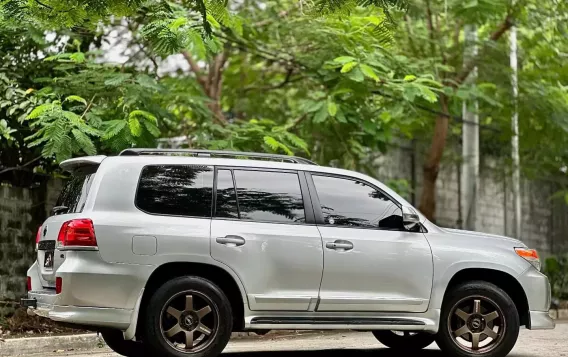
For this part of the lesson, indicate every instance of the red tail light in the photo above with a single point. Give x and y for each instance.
(77, 233)
(58, 285)
(38, 237)
(29, 284)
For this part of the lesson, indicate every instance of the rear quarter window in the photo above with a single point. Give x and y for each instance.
(176, 190)
(75, 191)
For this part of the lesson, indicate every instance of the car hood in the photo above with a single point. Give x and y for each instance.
(477, 235)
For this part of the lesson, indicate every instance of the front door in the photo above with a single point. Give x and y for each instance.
(262, 232)
(371, 262)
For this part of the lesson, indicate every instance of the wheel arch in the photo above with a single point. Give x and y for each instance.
(229, 283)
(500, 278)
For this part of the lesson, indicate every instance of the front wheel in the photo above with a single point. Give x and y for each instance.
(188, 317)
(404, 340)
(478, 320)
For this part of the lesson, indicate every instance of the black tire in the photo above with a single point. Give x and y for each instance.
(206, 299)
(115, 341)
(404, 340)
(495, 310)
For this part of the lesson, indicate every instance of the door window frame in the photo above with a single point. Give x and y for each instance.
(316, 204)
(309, 210)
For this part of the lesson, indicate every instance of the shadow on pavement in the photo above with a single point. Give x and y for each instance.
(380, 352)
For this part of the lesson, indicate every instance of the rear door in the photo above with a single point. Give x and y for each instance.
(70, 204)
(264, 231)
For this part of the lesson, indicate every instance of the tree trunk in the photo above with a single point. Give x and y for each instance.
(432, 165)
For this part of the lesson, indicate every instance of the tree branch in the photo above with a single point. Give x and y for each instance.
(21, 166)
(430, 23)
(88, 107)
(215, 71)
(44, 5)
(287, 79)
(495, 36)
(410, 32)
(195, 69)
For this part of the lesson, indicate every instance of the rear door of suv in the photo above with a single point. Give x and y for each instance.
(263, 229)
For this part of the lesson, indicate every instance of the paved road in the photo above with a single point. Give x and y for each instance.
(352, 344)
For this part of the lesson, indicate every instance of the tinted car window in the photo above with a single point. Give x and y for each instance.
(226, 195)
(352, 203)
(75, 192)
(269, 196)
(178, 190)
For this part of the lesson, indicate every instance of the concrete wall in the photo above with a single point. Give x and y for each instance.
(17, 242)
(22, 210)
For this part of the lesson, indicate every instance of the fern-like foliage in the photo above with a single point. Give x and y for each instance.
(346, 7)
(61, 132)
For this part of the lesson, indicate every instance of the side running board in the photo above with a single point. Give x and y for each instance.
(334, 321)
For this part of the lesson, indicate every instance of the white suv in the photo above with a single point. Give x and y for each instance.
(167, 252)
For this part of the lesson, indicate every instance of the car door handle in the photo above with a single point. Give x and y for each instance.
(339, 245)
(232, 241)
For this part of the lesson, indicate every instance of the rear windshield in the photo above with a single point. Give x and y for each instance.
(75, 191)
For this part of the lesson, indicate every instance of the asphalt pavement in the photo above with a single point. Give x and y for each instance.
(552, 343)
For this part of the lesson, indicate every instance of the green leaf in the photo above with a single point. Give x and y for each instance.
(369, 72)
(113, 128)
(152, 128)
(385, 116)
(321, 115)
(340, 116)
(213, 22)
(75, 98)
(40, 110)
(73, 118)
(348, 67)
(148, 82)
(427, 94)
(314, 106)
(143, 114)
(177, 23)
(117, 79)
(344, 59)
(135, 127)
(331, 108)
(356, 75)
(271, 142)
(78, 57)
(409, 78)
(84, 142)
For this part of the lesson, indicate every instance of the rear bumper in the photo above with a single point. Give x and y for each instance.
(85, 316)
(94, 292)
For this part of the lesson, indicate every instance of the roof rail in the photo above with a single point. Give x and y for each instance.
(217, 153)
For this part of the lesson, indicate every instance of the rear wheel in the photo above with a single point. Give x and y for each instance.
(115, 341)
(404, 340)
(188, 316)
(478, 320)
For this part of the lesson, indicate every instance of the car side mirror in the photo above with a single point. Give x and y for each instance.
(410, 219)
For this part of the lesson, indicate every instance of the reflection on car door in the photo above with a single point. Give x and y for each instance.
(371, 262)
(261, 231)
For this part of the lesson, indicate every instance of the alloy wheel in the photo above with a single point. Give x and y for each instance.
(477, 324)
(189, 322)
